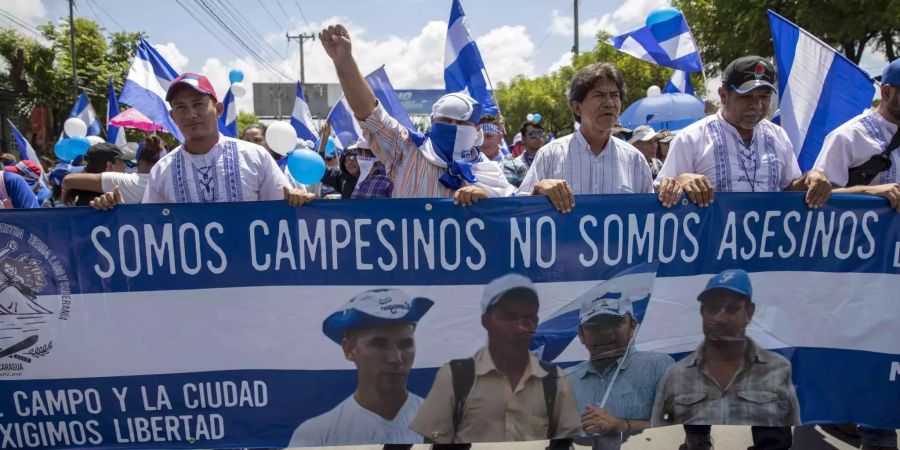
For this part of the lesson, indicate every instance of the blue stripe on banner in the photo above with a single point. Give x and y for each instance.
(761, 232)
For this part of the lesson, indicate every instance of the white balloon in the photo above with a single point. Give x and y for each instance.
(238, 89)
(75, 127)
(281, 137)
(653, 91)
(94, 140)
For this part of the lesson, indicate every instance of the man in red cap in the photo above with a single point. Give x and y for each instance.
(209, 167)
(31, 172)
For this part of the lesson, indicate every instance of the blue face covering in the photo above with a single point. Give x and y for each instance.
(455, 145)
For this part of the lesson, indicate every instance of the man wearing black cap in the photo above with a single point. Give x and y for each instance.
(375, 329)
(131, 185)
(737, 149)
(100, 158)
(729, 379)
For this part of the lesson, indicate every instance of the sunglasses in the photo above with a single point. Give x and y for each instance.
(536, 134)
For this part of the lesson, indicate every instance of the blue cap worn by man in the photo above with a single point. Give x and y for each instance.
(375, 329)
(750, 386)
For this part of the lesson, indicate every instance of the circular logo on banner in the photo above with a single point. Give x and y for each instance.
(28, 318)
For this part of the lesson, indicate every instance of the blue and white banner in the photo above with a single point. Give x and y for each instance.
(301, 118)
(667, 43)
(343, 124)
(228, 120)
(204, 325)
(463, 67)
(818, 88)
(114, 135)
(146, 85)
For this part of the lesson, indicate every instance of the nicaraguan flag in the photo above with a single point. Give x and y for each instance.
(556, 332)
(343, 124)
(83, 110)
(668, 43)
(463, 66)
(679, 83)
(146, 85)
(228, 119)
(384, 91)
(114, 135)
(301, 118)
(818, 88)
(26, 151)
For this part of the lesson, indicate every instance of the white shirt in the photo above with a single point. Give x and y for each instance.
(131, 185)
(713, 147)
(351, 424)
(853, 143)
(232, 171)
(618, 169)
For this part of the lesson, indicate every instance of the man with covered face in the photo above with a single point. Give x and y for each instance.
(729, 379)
(375, 330)
(446, 163)
(737, 149)
(607, 328)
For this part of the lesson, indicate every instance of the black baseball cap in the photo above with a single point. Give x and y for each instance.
(748, 73)
(99, 154)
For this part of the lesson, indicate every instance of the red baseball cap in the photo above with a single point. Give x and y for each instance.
(27, 168)
(196, 81)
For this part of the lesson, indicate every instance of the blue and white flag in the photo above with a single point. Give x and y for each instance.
(818, 88)
(83, 110)
(679, 83)
(228, 119)
(343, 124)
(146, 85)
(26, 151)
(301, 118)
(463, 66)
(556, 332)
(384, 91)
(114, 135)
(668, 43)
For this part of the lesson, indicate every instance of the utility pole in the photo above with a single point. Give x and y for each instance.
(575, 47)
(300, 39)
(72, 41)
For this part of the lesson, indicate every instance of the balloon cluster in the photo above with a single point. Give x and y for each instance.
(237, 88)
(76, 144)
(534, 118)
(304, 164)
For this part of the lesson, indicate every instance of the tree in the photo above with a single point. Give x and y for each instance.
(728, 29)
(547, 94)
(41, 73)
(244, 119)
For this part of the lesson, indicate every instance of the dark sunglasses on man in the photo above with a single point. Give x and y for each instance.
(536, 134)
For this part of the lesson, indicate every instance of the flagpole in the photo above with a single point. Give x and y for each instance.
(72, 41)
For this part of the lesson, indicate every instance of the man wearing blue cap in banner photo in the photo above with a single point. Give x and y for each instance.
(615, 388)
(729, 379)
(502, 393)
(375, 330)
(446, 163)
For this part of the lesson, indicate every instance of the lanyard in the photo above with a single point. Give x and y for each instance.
(754, 157)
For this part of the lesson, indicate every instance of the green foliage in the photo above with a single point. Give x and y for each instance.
(245, 118)
(547, 94)
(41, 72)
(728, 29)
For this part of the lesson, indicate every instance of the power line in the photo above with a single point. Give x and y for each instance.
(96, 16)
(303, 16)
(122, 28)
(278, 2)
(271, 16)
(207, 28)
(248, 29)
(16, 20)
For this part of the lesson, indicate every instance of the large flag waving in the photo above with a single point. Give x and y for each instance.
(26, 151)
(679, 83)
(83, 110)
(228, 119)
(667, 43)
(114, 135)
(818, 88)
(301, 118)
(463, 66)
(145, 87)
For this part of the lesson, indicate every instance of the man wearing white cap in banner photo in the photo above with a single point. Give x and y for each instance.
(447, 163)
(615, 387)
(375, 330)
(504, 392)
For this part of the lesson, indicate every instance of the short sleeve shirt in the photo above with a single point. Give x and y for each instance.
(131, 185)
(853, 143)
(713, 147)
(351, 424)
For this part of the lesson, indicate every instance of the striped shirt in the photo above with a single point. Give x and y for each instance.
(413, 175)
(761, 393)
(618, 169)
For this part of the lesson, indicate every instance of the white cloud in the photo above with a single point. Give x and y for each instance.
(172, 55)
(561, 25)
(507, 52)
(564, 60)
(31, 12)
(628, 16)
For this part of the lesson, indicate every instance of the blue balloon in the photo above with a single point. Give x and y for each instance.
(536, 118)
(306, 166)
(329, 146)
(661, 15)
(71, 148)
(235, 76)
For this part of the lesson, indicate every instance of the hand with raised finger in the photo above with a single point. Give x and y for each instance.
(468, 195)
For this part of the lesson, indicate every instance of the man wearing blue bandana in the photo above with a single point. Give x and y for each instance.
(375, 330)
(444, 163)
